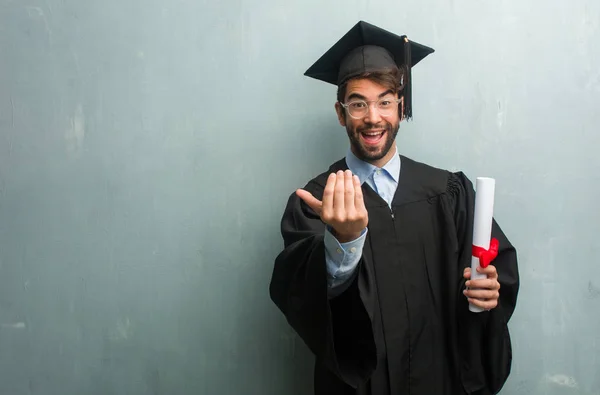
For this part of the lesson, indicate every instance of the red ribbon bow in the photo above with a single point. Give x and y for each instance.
(486, 256)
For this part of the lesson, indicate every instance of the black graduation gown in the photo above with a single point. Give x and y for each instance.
(403, 325)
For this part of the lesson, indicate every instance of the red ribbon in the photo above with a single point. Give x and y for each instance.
(486, 256)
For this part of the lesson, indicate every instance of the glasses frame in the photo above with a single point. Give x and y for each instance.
(367, 102)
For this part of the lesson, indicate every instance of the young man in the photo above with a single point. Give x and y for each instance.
(375, 273)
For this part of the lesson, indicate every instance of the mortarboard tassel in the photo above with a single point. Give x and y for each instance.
(407, 80)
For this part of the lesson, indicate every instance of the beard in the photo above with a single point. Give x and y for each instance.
(370, 153)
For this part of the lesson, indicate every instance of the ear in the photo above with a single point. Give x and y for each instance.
(341, 113)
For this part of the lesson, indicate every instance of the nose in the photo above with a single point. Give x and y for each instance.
(373, 116)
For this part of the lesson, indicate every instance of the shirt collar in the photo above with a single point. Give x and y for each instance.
(364, 170)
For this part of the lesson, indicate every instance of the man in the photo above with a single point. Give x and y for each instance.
(375, 273)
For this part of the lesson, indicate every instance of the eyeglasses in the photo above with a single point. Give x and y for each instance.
(360, 108)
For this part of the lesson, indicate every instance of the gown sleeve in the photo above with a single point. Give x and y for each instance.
(337, 330)
(484, 339)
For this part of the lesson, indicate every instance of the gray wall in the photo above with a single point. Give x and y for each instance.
(147, 149)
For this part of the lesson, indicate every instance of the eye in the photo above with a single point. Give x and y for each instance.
(357, 104)
(386, 103)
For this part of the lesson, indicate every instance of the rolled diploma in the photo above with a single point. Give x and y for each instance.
(482, 226)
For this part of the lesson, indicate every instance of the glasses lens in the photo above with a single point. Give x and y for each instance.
(358, 108)
(386, 106)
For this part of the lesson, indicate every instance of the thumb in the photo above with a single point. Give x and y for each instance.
(309, 199)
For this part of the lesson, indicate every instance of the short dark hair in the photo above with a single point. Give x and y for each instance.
(390, 79)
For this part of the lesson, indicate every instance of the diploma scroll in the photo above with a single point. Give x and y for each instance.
(482, 226)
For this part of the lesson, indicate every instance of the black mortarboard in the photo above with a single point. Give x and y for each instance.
(368, 48)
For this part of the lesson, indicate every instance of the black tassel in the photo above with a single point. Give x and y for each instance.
(407, 80)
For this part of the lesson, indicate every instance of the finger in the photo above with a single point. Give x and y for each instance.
(467, 273)
(328, 192)
(338, 196)
(484, 304)
(310, 200)
(359, 203)
(481, 294)
(348, 191)
(483, 284)
(490, 271)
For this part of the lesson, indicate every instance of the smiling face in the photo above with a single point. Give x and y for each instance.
(371, 135)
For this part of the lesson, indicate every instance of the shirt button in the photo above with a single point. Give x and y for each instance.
(378, 171)
(353, 250)
(339, 251)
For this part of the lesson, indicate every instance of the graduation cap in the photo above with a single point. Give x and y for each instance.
(367, 48)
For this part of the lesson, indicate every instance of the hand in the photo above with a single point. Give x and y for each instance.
(484, 292)
(342, 207)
